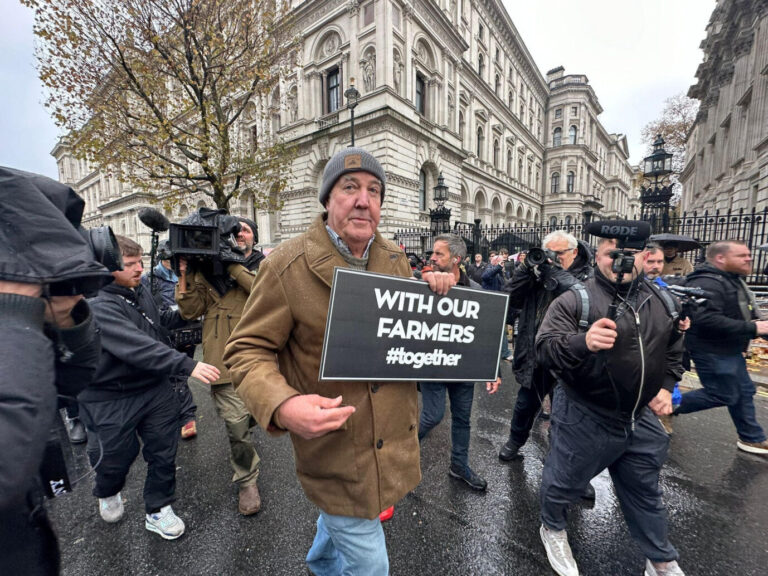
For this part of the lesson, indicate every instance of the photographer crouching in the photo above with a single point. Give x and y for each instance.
(216, 284)
(49, 346)
(615, 348)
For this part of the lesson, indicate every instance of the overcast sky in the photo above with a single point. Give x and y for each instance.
(635, 54)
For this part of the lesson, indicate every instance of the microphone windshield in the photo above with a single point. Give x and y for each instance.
(629, 230)
(154, 219)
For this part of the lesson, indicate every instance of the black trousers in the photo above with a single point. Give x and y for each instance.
(583, 444)
(527, 407)
(153, 415)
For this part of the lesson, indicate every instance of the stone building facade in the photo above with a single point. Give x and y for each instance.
(727, 149)
(446, 87)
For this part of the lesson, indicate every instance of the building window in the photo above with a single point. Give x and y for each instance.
(572, 134)
(421, 95)
(396, 16)
(461, 125)
(480, 65)
(553, 221)
(530, 175)
(569, 180)
(522, 112)
(567, 220)
(368, 14)
(574, 111)
(558, 113)
(509, 163)
(495, 153)
(497, 85)
(332, 87)
(480, 142)
(481, 32)
(520, 170)
(511, 98)
(554, 186)
(422, 190)
(557, 137)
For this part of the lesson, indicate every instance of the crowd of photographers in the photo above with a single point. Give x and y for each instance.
(601, 331)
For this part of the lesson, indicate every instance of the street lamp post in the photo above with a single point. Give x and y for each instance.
(352, 95)
(656, 191)
(440, 216)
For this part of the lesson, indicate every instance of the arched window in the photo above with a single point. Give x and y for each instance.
(569, 181)
(422, 190)
(497, 85)
(557, 137)
(480, 142)
(567, 220)
(554, 187)
(495, 153)
(553, 221)
(572, 134)
(509, 163)
(480, 65)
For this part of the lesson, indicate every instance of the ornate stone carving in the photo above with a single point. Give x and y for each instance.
(397, 71)
(331, 44)
(368, 68)
(353, 7)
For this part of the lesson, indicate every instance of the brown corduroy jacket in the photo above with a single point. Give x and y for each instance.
(274, 354)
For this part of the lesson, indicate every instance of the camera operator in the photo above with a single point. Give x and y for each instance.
(221, 300)
(609, 375)
(131, 396)
(49, 345)
(718, 338)
(532, 289)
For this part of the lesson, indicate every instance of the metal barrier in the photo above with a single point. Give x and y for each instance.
(747, 226)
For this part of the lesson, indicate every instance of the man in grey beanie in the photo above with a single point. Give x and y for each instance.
(355, 443)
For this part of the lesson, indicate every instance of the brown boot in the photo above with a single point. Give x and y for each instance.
(249, 500)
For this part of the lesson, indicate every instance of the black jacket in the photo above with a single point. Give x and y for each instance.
(476, 272)
(532, 296)
(617, 383)
(135, 350)
(720, 325)
(35, 368)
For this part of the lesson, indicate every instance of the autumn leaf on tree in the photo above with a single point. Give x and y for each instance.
(173, 95)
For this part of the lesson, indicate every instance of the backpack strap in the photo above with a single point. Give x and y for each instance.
(670, 304)
(581, 290)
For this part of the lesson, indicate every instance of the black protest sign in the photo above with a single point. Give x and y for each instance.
(389, 328)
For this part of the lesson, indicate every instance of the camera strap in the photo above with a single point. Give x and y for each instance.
(139, 310)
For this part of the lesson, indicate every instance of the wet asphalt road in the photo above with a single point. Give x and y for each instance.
(716, 498)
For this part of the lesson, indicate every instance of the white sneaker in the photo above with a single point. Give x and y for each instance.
(111, 509)
(670, 569)
(559, 551)
(165, 523)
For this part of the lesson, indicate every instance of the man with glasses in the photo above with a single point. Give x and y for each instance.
(532, 289)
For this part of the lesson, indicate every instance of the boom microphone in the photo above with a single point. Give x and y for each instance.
(154, 219)
(628, 230)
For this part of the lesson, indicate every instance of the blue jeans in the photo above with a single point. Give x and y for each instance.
(433, 409)
(346, 546)
(505, 351)
(725, 382)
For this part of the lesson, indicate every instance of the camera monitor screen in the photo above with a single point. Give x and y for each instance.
(201, 240)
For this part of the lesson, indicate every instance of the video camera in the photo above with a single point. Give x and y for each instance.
(690, 297)
(630, 238)
(207, 236)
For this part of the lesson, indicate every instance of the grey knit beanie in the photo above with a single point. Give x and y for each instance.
(346, 161)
